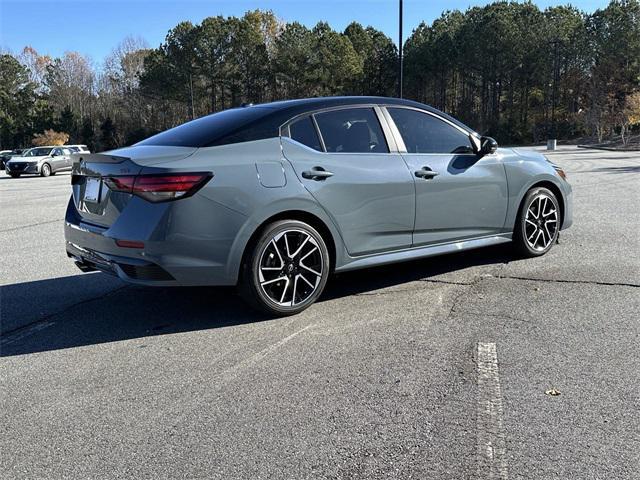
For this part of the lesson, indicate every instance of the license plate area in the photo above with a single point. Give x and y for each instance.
(92, 189)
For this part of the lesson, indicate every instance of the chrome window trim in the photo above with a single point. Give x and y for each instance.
(391, 143)
(319, 133)
(287, 133)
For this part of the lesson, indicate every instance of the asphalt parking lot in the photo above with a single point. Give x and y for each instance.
(433, 369)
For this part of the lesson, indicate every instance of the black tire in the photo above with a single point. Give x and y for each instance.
(267, 271)
(538, 223)
(14, 175)
(45, 171)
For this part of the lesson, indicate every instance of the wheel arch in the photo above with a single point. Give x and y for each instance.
(549, 185)
(301, 212)
(302, 216)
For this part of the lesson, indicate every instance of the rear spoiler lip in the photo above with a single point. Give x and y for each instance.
(98, 158)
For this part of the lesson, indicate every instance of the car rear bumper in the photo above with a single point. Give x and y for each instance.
(175, 253)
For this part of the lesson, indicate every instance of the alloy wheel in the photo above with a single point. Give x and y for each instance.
(541, 222)
(290, 268)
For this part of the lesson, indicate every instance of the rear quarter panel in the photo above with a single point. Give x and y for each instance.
(247, 181)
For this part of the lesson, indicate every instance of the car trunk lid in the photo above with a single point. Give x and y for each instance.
(95, 202)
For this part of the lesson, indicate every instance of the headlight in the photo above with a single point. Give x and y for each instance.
(560, 172)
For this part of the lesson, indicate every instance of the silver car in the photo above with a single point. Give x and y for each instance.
(43, 161)
(273, 198)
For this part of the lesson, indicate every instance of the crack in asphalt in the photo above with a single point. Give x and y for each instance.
(553, 280)
(12, 229)
(401, 290)
(446, 282)
(11, 333)
(504, 316)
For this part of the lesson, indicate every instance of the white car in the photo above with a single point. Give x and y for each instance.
(78, 148)
(42, 161)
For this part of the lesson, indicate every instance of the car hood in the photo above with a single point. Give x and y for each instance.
(28, 159)
(529, 154)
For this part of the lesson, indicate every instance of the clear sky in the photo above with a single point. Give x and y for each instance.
(94, 27)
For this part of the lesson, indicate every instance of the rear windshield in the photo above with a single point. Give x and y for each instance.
(229, 126)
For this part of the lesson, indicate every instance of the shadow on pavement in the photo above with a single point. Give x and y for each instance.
(128, 312)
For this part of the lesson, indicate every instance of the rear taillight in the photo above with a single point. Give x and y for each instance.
(159, 188)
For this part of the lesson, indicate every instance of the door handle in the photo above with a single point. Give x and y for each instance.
(426, 173)
(317, 173)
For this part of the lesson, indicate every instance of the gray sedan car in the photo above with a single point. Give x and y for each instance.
(43, 161)
(273, 198)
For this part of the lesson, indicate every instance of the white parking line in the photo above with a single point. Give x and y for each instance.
(492, 450)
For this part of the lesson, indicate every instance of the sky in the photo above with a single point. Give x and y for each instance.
(95, 27)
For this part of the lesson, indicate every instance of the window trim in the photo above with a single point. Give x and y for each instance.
(378, 112)
(315, 125)
(398, 136)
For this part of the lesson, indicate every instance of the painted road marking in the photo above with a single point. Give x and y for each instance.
(492, 450)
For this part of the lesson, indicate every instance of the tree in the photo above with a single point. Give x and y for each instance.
(50, 137)
(36, 64)
(630, 115)
(508, 69)
(614, 34)
(67, 122)
(17, 102)
(379, 58)
(108, 138)
(333, 62)
(87, 134)
(293, 49)
(71, 83)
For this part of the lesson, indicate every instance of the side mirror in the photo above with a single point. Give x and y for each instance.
(488, 146)
(54, 154)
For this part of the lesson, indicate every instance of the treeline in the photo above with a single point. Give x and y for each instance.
(507, 69)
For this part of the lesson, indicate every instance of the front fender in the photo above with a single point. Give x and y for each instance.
(525, 169)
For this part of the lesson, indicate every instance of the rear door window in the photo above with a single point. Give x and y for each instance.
(352, 130)
(304, 131)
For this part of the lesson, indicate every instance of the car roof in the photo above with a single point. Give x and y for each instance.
(257, 122)
(291, 108)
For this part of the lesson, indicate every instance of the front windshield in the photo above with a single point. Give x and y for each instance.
(38, 152)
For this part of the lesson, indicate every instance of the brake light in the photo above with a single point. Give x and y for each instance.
(159, 188)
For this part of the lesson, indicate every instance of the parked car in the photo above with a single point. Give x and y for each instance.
(78, 148)
(42, 161)
(5, 155)
(274, 197)
(2, 155)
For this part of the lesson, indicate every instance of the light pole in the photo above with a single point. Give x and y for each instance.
(400, 51)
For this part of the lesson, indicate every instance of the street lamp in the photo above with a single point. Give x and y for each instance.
(400, 51)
